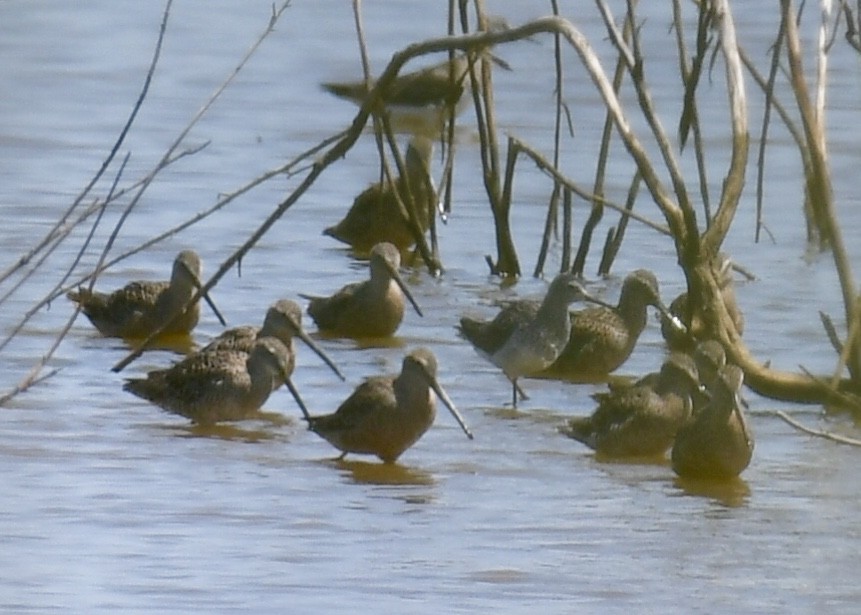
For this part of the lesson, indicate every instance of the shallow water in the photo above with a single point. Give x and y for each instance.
(109, 504)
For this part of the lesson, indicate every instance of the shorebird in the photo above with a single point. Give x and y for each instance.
(373, 308)
(488, 336)
(386, 415)
(375, 215)
(139, 308)
(684, 339)
(639, 421)
(602, 338)
(418, 102)
(716, 443)
(710, 358)
(283, 321)
(224, 385)
(523, 340)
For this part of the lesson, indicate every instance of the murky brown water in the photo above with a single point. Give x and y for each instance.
(109, 504)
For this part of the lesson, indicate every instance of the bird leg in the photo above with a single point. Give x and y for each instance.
(516, 391)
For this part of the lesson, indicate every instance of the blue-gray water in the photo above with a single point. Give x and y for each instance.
(111, 505)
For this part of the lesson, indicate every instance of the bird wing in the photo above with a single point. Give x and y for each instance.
(363, 403)
(593, 331)
(326, 310)
(237, 338)
(490, 336)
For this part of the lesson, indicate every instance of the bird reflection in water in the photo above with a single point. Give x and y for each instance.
(264, 426)
(733, 493)
(370, 473)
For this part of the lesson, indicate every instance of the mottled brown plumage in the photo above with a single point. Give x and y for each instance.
(602, 338)
(369, 309)
(717, 442)
(139, 308)
(224, 385)
(376, 216)
(386, 415)
(639, 421)
(283, 321)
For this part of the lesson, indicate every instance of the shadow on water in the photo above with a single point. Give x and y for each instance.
(362, 343)
(732, 493)
(533, 415)
(649, 460)
(181, 344)
(247, 432)
(377, 473)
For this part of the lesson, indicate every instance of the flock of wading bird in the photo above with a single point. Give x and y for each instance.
(692, 406)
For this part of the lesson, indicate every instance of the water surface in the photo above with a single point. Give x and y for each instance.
(110, 504)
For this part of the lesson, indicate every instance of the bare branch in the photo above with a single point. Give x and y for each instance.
(817, 432)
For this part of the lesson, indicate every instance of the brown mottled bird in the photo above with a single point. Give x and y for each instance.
(376, 216)
(223, 385)
(602, 338)
(386, 415)
(640, 420)
(139, 308)
(373, 308)
(283, 321)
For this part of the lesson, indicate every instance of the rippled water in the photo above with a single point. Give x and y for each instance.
(109, 504)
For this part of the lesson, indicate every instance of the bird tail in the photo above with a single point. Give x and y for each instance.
(139, 386)
(471, 330)
(580, 428)
(79, 295)
(350, 91)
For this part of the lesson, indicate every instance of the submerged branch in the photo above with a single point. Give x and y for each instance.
(817, 432)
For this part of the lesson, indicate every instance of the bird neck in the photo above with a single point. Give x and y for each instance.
(411, 391)
(381, 278)
(632, 308)
(552, 307)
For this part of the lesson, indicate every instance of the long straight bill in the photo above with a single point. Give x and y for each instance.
(451, 407)
(319, 352)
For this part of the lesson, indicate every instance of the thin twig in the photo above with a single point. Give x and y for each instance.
(597, 210)
(114, 149)
(35, 309)
(818, 432)
(31, 380)
(276, 14)
(547, 168)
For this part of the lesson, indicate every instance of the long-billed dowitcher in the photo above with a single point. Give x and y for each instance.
(225, 385)
(139, 308)
(639, 421)
(375, 215)
(716, 442)
(419, 102)
(373, 308)
(283, 321)
(602, 337)
(523, 340)
(386, 415)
